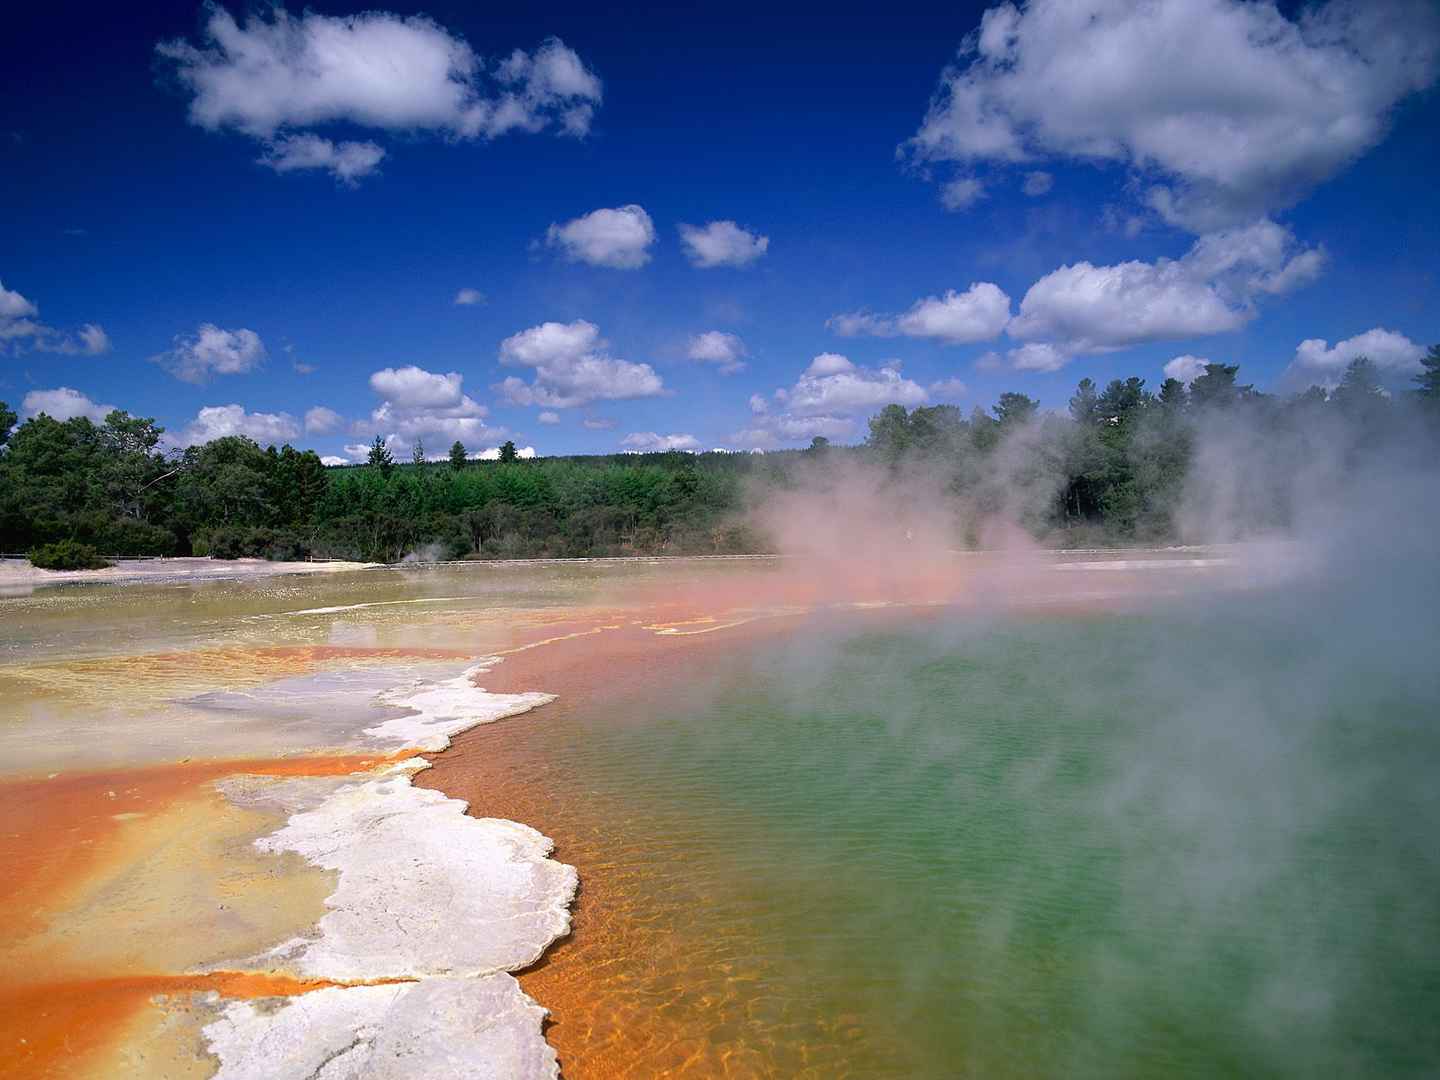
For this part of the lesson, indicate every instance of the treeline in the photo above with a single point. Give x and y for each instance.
(1114, 470)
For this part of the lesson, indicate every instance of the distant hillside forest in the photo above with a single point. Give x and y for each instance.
(1111, 472)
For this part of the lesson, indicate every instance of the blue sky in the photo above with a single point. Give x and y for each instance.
(939, 205)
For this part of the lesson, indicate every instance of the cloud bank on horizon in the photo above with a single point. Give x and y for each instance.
(1157, 158)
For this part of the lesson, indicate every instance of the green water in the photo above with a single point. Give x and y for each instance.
(1193, 843)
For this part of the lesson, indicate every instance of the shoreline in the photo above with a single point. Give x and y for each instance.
(319, 823)
(378, 953)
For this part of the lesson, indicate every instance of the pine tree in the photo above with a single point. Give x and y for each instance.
(418, 454)
(380, 456)
(457, 455)
(1429, 379)
(507, 452)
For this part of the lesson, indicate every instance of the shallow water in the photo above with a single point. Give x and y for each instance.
(1189, 843)
(1196, 839)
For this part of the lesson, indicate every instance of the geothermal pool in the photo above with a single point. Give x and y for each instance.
(1165, 825)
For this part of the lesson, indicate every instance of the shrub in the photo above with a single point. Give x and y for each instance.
(67, 555)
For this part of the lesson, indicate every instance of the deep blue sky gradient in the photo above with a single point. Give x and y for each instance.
(785, 122)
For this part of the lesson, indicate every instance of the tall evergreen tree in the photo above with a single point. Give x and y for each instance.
(380, 457)
(508, 452)
(1429, 380)
(417, 455)
(457, 455)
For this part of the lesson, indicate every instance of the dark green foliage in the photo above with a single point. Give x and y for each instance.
(1428, 380)
(67, 555)
(1113, 471)
(380, 456)
(1014, 409)
(7, 421)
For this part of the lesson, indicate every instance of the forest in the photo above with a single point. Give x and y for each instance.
(1112, 470)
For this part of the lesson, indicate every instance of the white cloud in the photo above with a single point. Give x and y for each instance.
(93, 340)
(414, 387)
(1233, 108)
(961, 194)
(1038, 183)
(648, 442)
(1186, 368)
(322, 421)
(1037, 356)
(1317, 362)
(15, 306)
(722, 243)
(1083, 308)
(21, 330)
(212, 351)
(824, 401)
(787, 428)
(63, 403)
(726, 351)
(573, 366)
(619, 238)
(980, 313)
(833, 386)
(280, 74)
(347, 162)
(420, 404)
(331, 459)
(357, 451)
(948, 388)
(469, 297)
(217, 421)
(598, 423)
(549, 418)
(977, 314)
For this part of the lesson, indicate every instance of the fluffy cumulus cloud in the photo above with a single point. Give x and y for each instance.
(725, 351)
(1083, 308)
(469, 297)
(348, 162)
(980, 313)
(418, 405)
(323, 421)
(1319, 363)
(573, 366)
(276, 75)
(217, 421)
(63, 403)
(548, 417)
(21, 330)
(1185, 368)
(825, 400)
(618, 238)
(1228, 108)
(722, 243)
(648, 442)
(209, 351)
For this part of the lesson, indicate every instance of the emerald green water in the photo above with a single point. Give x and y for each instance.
(1198, 842)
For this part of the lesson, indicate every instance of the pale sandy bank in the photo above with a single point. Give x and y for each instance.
(18, 573)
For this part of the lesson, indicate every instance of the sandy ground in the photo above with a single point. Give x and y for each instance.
(18, 573)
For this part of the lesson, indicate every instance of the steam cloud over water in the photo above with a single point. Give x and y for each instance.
(1261, 777)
